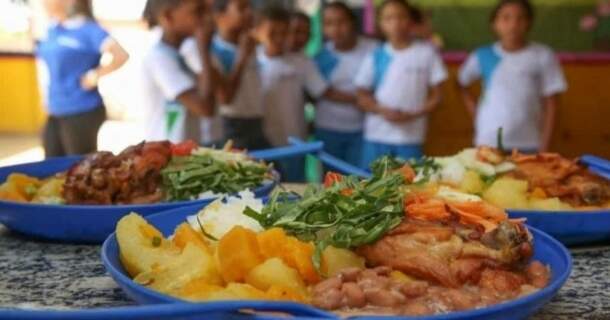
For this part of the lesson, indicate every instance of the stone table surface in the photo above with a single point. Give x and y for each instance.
(45, 275)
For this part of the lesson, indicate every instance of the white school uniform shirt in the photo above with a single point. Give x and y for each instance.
(401, 80)
(285, 79)
(339, 68)
(210, 127)
(165, 77)
(247, 103)
(514, 85)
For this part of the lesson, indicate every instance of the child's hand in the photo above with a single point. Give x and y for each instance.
(89, 80)
(247, 43)
(205, 33)
(396, 116)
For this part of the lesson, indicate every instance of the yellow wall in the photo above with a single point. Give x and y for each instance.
(20, 109)
(583, 122)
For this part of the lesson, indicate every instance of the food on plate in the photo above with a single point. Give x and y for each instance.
(379, 246)
(544, 181)
(149, 172)
(22, 188)
(131, 177)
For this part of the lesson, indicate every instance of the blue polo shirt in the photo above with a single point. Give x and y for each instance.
(69, 51)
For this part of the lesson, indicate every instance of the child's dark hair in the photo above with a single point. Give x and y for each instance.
(154, 7)
(417, 15)
(526, 5)
(220, 5)
(274, 13)
(299, 15)
(340, 5)
(402, 3)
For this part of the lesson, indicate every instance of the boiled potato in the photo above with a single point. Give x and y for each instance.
(9, 192)
(274, 272)
(472, 183)
(507, 193)
(334, 260)
(198, 290)
(185, 234)
(237, 253)
(295, 253)
(238, 291)
(49, 191)
(550, 204)
(141, 246)
(193, 264)
(286, 294)
(25, 185)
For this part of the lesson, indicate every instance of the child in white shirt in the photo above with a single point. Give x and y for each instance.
(339, 123)
(239, 92)
(285, 77)
(175, 96)
(399, 85)
(521, 83)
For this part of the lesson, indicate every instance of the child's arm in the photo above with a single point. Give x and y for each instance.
(340, 96)
(367, 102)
(469, 72)
(553, 84)
(550, 111)
(229, 84)
(200, 100)
(470, 101)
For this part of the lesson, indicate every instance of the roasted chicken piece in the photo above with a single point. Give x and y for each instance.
(132, 177)
(562, 178)
(450, 254)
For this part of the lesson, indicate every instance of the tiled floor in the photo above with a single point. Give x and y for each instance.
(16, 148)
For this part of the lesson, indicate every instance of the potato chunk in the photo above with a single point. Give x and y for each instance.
(507, 193)
(334, 260)
(295, 253)
(274, 272)
(193, 264)
(238, 253)
(185, 234)
(550, 204)
(141, 246)
(472, 183)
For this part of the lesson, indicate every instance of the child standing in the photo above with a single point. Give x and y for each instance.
(399, 85)
(521, 82)
(339, 123)
(176, 97)
(239, 92)
(285, 77)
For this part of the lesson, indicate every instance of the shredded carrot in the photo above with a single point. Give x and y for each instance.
(479, 213)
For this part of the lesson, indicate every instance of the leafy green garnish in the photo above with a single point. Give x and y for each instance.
(349, 214)
(205, 233)
(500, 143)
(185, 178)
(424, 167)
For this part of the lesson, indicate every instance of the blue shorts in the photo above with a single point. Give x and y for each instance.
(346, 146)
(371, 151)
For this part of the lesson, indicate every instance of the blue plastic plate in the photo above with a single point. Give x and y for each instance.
(77, 223)
(569, 227)
(547, 250)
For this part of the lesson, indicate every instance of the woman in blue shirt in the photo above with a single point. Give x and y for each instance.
(72, 53)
